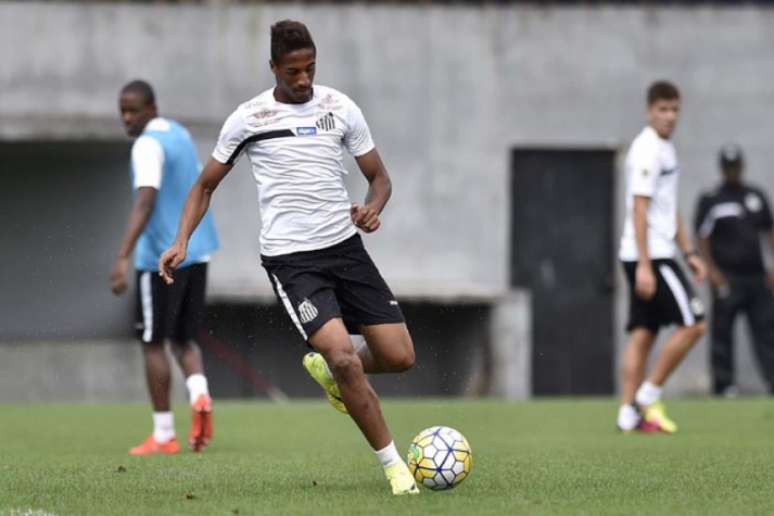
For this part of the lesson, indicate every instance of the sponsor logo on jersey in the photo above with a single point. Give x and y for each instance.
(307, 311)
(330, 102)
(264, 113)
(306, 131)
(393, 303)
(669, 171)
(327, 122)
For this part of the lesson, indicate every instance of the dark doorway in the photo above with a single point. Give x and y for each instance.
(63, 208)
(561, 249)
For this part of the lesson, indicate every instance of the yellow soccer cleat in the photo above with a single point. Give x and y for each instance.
(315, 365)
(655, 414)
(401, 480)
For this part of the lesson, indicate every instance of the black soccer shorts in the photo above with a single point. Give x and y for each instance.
(337, 282)
(674, 302)
(173, 311)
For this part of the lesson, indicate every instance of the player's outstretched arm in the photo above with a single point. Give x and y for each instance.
(366, 216)
(138, 217)
(195, 207)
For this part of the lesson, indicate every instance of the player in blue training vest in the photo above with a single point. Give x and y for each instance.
(164, 166)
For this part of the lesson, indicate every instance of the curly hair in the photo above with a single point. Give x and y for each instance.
(287, 36)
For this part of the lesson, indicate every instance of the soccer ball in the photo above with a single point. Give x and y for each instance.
(439, 457)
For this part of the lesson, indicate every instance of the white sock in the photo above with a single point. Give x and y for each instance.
(163, 426)
(648, 393)
(388, 455)
(197, 385)
(628, 419)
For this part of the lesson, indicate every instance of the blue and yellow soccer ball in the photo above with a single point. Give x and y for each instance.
(439, 457)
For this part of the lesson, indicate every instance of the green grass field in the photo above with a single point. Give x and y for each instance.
(543, 457)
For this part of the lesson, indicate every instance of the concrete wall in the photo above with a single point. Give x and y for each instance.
(447, 92)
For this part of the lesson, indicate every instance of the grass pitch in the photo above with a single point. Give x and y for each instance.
(542, 457)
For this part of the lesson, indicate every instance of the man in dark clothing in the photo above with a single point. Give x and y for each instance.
(730, 223)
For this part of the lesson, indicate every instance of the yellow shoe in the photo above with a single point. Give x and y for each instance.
(400, 478)
(315, 365)
(655, 413)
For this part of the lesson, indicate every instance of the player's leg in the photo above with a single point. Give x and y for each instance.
(725, 307)
(332, 341)
(633, 363)
(370, 308)
(679, 304)
(642, 327)
(157, 374)
(187, 310)
(389, 348)
(674, 350)
(151, 299)
(761, 316)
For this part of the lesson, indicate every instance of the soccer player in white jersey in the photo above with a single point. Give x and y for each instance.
(294, 135)
(660, 295)
(163, 167)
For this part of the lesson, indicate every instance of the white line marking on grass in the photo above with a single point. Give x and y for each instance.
(26, 512)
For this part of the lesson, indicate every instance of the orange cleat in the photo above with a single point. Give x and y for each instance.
(149, 447)
(201, 423)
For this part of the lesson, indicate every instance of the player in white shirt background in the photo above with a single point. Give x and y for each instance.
(660, 295)
(294, 136)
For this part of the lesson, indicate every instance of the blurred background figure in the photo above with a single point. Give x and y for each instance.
(660, 294)
(730, 222)
(164, 166)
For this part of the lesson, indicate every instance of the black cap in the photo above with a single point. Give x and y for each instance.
(730, 156)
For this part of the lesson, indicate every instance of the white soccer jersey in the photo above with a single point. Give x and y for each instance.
(296, 152)
(651, 171)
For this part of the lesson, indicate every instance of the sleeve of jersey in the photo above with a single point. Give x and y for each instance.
(357, 138)
(644, 171)
(768, 222)
(700, 221)
(232, 139)
(147, 162)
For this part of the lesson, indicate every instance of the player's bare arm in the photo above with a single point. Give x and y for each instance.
(692, 258)
(366, 216)
(645, 279)
(196, 205)
(138, 217)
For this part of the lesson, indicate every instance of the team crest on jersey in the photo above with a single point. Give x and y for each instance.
(306, 131)
(645, 172)
(327, 122)
(307, 311)
(753, 203)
